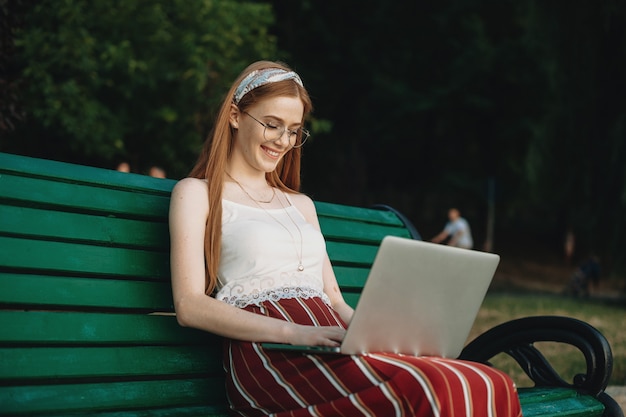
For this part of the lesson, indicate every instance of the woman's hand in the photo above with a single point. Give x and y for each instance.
(316, 335)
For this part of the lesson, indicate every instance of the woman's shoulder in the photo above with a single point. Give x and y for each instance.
(189, 200)
(193, 188)
(190, 183)
(305, 204)
(301, 199)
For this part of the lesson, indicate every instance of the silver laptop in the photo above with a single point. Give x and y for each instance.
(419, 299)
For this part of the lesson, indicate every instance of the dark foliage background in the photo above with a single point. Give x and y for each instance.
(432, 104)
(512, 111)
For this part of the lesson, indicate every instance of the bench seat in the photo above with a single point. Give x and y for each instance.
(87, 324)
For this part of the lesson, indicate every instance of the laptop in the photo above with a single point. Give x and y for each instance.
(419, 299)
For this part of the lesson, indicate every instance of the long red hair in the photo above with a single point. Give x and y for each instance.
(211, 163)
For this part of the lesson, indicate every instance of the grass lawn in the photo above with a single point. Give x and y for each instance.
(607, 317)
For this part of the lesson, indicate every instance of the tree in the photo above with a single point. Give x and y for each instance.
(106, 81)
(427, 100)
(430, 100)
(11, 112)
(576, 163)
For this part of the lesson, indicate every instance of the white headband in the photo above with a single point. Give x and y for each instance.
(261, 77)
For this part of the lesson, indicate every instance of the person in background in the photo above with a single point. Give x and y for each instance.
(123, 167)
(569, 246)
(249, 263)
(587, 274)
(457, 231)
(157, 172)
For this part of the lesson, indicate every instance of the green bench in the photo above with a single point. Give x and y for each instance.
(86, 316)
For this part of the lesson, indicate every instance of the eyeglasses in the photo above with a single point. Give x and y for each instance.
(272, 133)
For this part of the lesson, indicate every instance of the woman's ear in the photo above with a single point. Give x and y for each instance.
(234, 116)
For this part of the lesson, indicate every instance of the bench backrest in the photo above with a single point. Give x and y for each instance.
(86, 316)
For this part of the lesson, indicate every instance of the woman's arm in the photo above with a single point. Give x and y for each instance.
(331, 287)
(187, 219)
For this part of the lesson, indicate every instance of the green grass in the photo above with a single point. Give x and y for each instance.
(608, 318)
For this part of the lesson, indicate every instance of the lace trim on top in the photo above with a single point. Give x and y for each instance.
(258, 297)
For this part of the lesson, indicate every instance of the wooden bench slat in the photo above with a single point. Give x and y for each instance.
(79, 174)
(351, 254)
(558, 402)
(57, 291)
(34, 255)
(190, 411)
(74, 258)
(55, 363)
(80, 328)
(351, 277)
(47, 224)
(114, 231)
(357, 213)
(102, 396)
(336, 229)
(537, 394)
(83, 198)
(62, 291)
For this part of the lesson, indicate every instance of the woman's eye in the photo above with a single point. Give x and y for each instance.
(271, 126)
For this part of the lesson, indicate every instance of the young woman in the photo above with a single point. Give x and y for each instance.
(249, 263)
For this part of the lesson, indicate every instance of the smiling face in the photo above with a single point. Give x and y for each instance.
(252, 152)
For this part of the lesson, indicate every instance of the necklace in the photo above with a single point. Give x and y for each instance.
(293, 240)
(248, 194)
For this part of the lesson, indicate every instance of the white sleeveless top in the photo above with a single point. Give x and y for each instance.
(261, 253)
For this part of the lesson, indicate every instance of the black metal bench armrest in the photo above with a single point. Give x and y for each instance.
(611, 407)
(516, 338)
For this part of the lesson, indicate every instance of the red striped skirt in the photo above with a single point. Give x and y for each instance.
(262, 382)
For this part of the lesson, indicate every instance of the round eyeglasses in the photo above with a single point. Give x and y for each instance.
(272, 133)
